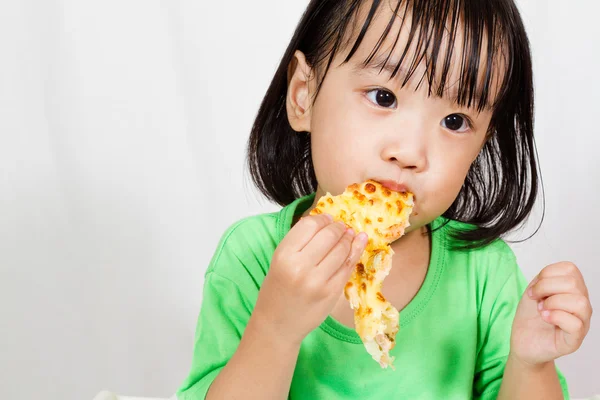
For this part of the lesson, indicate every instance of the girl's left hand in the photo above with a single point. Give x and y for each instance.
(553, 316)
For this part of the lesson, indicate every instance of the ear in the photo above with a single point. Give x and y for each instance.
(299, 93)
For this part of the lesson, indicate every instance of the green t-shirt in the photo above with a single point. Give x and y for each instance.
(454, 335)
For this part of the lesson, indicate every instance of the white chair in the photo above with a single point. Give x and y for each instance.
(106, 395)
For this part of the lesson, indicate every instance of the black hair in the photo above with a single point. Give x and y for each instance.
(501, 186)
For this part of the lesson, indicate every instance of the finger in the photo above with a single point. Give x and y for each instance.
(575, 304)
(323, 242)
(343, 272)
(337, 256)
(559, 269)
(556, 269)
(304, 230)
(546, 287)
(566, 322)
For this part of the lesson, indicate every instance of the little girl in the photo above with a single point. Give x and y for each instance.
(434, 97)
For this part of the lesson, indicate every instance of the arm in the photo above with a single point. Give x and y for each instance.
(524, 381)
(307, 275)
(551, 321)
(512, 332)
(262, 367)
(247, 351)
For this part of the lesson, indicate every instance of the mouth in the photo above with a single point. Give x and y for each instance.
(401, 188)
(394, 186)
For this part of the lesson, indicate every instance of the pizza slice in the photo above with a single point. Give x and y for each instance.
(382, 214)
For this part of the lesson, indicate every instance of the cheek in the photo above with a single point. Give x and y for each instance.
(447, 189)
(445, 180)
(335, 157)
(340, 147)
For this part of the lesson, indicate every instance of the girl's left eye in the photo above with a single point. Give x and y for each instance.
(456, 122)
(382, 98)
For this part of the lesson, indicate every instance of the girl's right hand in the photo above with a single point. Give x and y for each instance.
(308, 272)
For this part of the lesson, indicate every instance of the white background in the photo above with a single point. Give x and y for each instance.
(120, 121)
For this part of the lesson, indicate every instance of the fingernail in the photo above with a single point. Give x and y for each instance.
(329, 217)
(350, 231)
(530, 292)
(540, 305)
(545, 313)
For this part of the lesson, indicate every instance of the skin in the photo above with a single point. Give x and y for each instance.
(364, 125)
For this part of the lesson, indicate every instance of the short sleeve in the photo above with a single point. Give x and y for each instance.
(223, 317)
(231, 286)
(497, 311)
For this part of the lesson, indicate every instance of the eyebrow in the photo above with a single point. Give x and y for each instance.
(379, 64)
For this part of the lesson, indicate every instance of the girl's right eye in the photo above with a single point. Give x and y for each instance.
(382, 98)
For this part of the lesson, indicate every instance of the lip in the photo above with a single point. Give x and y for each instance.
(394, 185)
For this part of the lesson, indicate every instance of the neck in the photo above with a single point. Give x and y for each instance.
(414, 248)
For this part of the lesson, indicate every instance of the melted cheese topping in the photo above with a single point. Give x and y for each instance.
(382, 214)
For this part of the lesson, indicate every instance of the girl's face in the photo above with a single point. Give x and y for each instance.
(365, 126)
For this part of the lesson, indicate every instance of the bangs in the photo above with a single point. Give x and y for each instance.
(457, 48)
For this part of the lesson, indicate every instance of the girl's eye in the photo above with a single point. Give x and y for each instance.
(382, 98)
(456, 122)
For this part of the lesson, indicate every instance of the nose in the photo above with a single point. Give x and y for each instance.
(407, 148)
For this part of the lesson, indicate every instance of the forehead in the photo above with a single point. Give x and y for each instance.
(419, 45)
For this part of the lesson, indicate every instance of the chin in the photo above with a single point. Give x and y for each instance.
(418, 221)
